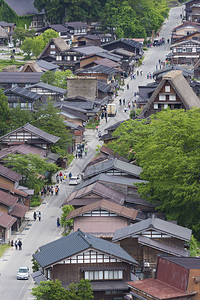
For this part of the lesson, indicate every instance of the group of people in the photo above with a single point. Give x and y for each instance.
(17, 244)
(35, 215)
(81, 148)
(61, 177)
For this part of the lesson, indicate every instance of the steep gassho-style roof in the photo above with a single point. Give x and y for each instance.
(10, 174)
(180, 86)
(105, 205)
(30, 128)
(153, 223)
(23, 7)
(77, 242)
(110, 164)
(59, 43)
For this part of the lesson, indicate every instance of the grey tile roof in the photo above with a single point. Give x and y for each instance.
(162, 247)
(59, 28)
(98, 69)
(48, 87)
(129, 42)
(76, 242)
(87, 50)
(113, 164)
(110, 55)
(46, 65)
(42, 134)
(186, 262)
(20, 77)
(154, 223)
(103, 87)
(23, 92)
(131, 182)
(22, 7)
(81, 114)
(5, 24)
(87, 105)
(110, 285)
(76, 24)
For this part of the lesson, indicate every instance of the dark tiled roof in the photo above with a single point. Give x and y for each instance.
(5, 24)
(49, 87)
(103, 87)
(98, 69)
(46, 65)
(166, 227)
(186, 262)
(59, 28)
(7, 199)
(23, 149)
(42, 134)
(72, 111)
(76, 24)
(106, 62)
(10, 174)
(113, 164)
(89, 37)
(23, 92)
(84, 201)
(162, 247)
(110, 285)
(78, 242)
(22, 7)
(89, 105)
(19, 210)
(129, 42)
(186, 72)
(6, 221)
(20, 77)
(105, 205)
(87, 50)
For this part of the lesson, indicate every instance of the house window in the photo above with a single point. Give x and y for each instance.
(162, 97)
(52, 52)
(172, 97)
(167, 89)
(155, 106)
(179, 50)
(189, 50)
(52, 46)
(165, 106)
(104, 275)
(198, 50)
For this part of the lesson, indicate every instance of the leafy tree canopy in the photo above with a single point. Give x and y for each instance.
(4, 113)
(167, 148)
(66, 210)
(58, 78)
(49, 34)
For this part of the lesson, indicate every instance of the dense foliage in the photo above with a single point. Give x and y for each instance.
(167, 148)
(53, 290)
(58, 78)
(130, 18)
(4, 113)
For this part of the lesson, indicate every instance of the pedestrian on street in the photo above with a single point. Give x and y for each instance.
(51, 190)
(168, 41)
(61, 178)
(70, 175)
(39, 216)
(65, 178)
(156, 67)
(124, 101)
(147, 75)
(159, 61)
(120, 102)
(34, 216)
(141, 73)
(129, 104)
(58, 222)
(57, 178)
(16, 244)
(20, 245)
(137, 73)
(85, 152)
(127, 86)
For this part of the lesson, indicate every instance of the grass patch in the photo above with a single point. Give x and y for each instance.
(70, 157)
(3, 249)
(35, 201)
(9, 62)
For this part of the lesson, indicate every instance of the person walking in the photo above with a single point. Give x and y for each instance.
(58, 222)
(20, 245)
(57, 178)
(124, 101)
(120, 102)
(140, 73)
(16, 244)
(61, 178)
(51, 190)
(34, 216)
(39, 216)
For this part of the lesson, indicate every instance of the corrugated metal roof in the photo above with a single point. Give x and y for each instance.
(10, 174)
(7, 199)
(112, 164)
(76, 242)
(186, 262)
(6, 221)
(154, 223)
(20, 77)
(105, 205)
(162, 247)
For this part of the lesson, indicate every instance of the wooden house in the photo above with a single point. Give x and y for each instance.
(149, 238)
(77, 28)
(83, 256)
(89, 40)
(173, 92)
(54, 47)
(126, 44)
(192, 11)
(197, 70)
(102, 218)
(192, 36)
(88, 59)
(23, 97)
(28, 134)
(72, 114)
(6, 223)
(49, 91)
(8, 28)
(186, 52)
(186, 28)
(101, 72)
(176, 278)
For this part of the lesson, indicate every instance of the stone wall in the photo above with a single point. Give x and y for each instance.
(82, 86)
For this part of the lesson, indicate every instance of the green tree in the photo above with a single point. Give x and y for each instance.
(49, 290)
(4, 113)
(167, 148)
(80, 291)
(38, 45)
(48, 77)
(19, 117)
(49, 34)
(48, 118)
(27, 47)
(20, 34)
(66, 223)
(30, 166)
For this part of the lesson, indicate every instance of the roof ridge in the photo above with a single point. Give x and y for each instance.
(83, 236)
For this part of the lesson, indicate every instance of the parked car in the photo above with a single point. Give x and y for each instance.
(75, 180)
(23, 273)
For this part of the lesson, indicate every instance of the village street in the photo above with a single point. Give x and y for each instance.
(37, 233)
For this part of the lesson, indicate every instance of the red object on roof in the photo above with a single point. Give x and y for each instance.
(6, 221)
(157, 289)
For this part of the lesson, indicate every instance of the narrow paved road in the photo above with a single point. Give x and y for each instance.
(38, 233)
